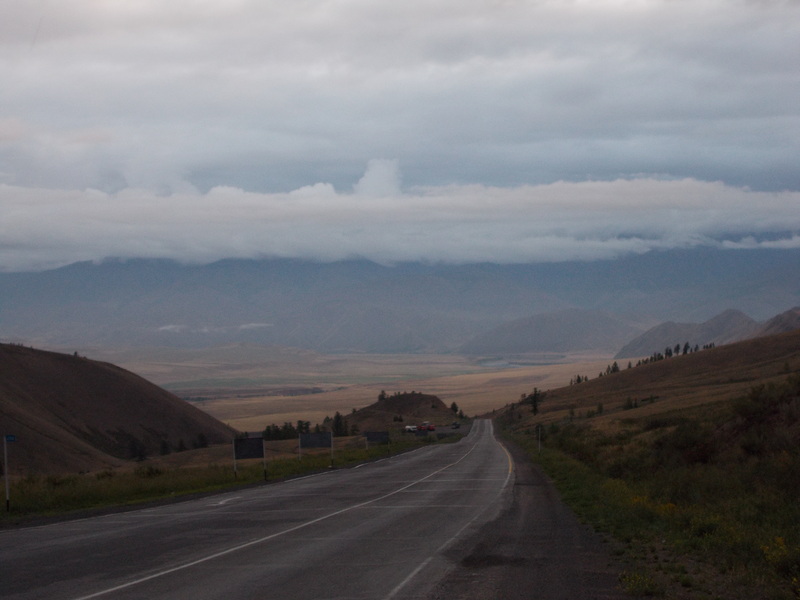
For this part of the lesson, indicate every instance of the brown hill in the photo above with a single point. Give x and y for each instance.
(73, 414)
(729, 326)
(674, 384)
(412, 407)
(786, 321)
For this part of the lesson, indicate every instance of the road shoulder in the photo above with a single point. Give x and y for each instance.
(536, 548)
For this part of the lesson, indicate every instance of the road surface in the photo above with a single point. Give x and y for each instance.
(380, 531)
(447, 521)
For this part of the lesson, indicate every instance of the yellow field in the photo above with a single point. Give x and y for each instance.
(250, 387)
(353, 382)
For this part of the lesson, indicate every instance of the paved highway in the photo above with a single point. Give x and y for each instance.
(380, 531)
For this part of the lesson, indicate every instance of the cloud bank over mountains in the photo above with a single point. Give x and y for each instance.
(454, 224)
(499, 130)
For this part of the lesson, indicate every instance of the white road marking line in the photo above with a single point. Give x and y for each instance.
(411, 576)
(263, 539)
(224, 501)
(397, 589)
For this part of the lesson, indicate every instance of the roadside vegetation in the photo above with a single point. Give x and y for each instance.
(154, 480)
(700, 498)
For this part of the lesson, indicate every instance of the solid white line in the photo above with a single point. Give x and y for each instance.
(411, 576)
(447, 543)
(225, 501)
(263, 539)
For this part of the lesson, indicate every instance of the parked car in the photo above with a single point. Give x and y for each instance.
(411, 428)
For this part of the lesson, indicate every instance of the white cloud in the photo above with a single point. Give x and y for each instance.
(750, 243)
(550, 222)
(173, 328)
(247, 326)
(533, 129)
(268, 96)
(382, 179)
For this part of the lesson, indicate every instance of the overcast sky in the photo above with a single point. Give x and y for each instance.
(437, 130)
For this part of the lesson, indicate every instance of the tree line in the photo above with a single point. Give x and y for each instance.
(289, 431)
(669, 352)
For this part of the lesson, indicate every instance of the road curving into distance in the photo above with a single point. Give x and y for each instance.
(378, 531)
(445, 521)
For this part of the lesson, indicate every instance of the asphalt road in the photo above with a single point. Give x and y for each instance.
(387, 530)
(535, 549)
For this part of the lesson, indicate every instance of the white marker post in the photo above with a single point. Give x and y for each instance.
(264, 456)
(6, 439)
(235, 471)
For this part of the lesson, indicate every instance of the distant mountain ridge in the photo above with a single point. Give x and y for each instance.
(728, 327)
(786, 321)
(360, 306)
(561, 331)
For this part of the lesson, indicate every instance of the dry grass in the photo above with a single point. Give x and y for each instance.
(167, 478)
(477, 392)
(691, 463)
(678, 384)
(71, 414)
(223, 454)
(250, 387)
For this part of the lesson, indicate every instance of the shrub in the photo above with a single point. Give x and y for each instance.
(720, 486)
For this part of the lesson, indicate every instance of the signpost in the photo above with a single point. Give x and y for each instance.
(377, 437)
(322, 439)
(6, 440)
(249, 447)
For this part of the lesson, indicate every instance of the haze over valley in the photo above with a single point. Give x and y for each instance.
(361, 306)
(255, 342)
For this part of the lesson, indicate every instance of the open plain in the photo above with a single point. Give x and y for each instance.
(250, 387)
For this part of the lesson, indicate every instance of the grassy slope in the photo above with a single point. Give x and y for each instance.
(412, 407)
(692, 463)
(72, 414)
(171, 477)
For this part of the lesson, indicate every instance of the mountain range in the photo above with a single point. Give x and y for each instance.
(361, 306)
(561, 331)
(727, 327)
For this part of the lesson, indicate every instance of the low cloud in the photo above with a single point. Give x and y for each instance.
(454, 224)
(382, 179)
(173, 328)
(208, 329)
(250, 326)
(525, 131)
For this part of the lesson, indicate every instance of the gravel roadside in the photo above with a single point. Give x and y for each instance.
(536, 548)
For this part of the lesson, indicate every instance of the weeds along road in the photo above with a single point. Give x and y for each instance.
(378, 531)
(447, 521)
